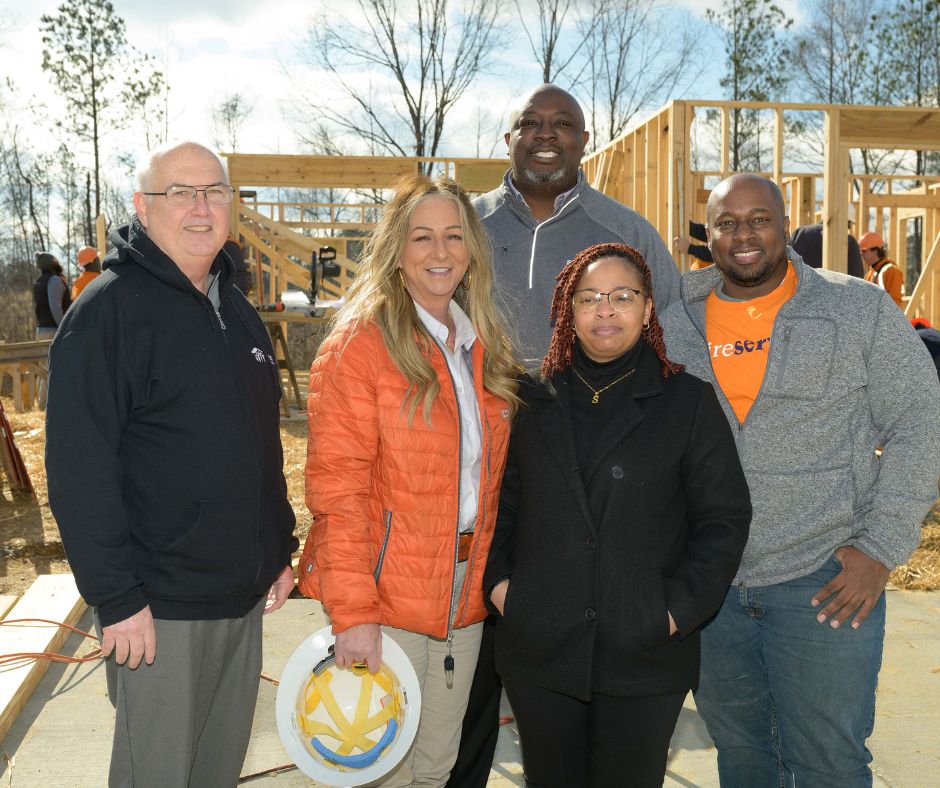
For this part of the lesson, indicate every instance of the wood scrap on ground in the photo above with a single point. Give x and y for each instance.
(52, 597)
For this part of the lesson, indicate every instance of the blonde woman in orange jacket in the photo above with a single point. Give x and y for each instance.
(409, 411)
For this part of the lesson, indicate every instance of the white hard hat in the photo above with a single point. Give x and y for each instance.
(346, 727)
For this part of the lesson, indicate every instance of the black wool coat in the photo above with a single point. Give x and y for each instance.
(659, 524)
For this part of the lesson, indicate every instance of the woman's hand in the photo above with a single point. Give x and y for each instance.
(361, 643)
(672, 625)
(498, 594)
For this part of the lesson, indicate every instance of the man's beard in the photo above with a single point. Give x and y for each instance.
(557, 176)
(751, 276)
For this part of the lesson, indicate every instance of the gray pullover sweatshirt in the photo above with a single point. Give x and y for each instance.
(527, 255)
(845, 374)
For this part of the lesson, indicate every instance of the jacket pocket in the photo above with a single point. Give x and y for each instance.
(381, 558)
(806, 357)
(659, 613)
(219, 556)
(277, 529)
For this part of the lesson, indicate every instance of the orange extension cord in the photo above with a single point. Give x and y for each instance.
(7, 660)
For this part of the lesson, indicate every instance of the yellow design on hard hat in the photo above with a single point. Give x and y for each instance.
(347, 727)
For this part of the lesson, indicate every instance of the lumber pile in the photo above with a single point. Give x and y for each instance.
(52, 597)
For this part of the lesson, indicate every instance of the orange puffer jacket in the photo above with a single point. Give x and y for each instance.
(384, 495)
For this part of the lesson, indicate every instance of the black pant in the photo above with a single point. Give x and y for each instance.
(609, 742)
(481, 720)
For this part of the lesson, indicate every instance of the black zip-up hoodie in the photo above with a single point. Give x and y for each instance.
(163, 450)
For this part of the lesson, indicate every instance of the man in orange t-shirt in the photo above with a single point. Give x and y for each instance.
(815, 369)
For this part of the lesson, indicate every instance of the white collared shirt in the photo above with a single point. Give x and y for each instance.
(460, 364)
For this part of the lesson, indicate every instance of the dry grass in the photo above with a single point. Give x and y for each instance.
(30, 544)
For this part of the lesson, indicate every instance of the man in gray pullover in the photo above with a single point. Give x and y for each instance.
(544, 213)
(816, 370)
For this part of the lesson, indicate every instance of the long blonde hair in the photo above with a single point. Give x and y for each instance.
(377, 295)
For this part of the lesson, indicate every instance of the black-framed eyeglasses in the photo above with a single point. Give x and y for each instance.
(621, 299)
(178, 194)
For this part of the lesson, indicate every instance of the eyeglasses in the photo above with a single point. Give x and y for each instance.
(216, 194)
(623, 299)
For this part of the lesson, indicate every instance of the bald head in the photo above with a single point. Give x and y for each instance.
(553, 93)
(746, 180)
(150, 165)
(546, 140)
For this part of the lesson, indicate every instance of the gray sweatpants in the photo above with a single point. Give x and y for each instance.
(185, 721)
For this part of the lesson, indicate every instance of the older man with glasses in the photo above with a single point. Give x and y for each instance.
(164, 463)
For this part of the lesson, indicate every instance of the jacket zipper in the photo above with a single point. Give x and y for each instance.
(740, 437)
(539, 226)
(388, 531)
(449, 659)
(481, 507)
(247, 410)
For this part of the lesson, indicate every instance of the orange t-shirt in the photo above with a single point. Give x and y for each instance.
(738, 335)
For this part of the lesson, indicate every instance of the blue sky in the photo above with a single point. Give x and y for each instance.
(209, 49)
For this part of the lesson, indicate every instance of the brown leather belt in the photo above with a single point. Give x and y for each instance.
(463, 546)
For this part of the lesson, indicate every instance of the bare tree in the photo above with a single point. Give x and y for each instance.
(637, 53)
(548, 50)
(144, 95)
(228, 117)
(752, 33)
(829, 50)
(85, 50)
(419, 66)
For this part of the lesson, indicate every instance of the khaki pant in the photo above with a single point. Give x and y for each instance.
(429, 761)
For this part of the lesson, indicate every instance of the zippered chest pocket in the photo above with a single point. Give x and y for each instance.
(803, 358)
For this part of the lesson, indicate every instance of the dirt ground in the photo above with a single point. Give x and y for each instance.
(30, 543)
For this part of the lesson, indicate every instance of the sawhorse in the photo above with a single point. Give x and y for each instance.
(278, 339)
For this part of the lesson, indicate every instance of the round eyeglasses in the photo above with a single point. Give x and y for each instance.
(622, 299)
(216, 194)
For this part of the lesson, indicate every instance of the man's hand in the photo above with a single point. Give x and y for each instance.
(362, 643)
(498, 595)
(280, 589)
(131, 639)
(672, 625)
(856, 589)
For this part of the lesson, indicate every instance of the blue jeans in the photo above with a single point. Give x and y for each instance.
(787, 700)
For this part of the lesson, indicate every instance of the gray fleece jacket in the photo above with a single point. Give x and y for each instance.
(527, 255)
(845, 374)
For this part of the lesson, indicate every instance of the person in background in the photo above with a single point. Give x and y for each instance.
(815, 371)
(50, 301)
(701, 252)
(409, 409)
(879, 268)
(807, 242)
(91, 268)
(51, 297)
(164, 461)
(622, 518)
(930, 337)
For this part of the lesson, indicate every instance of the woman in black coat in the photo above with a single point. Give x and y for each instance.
(622, 518)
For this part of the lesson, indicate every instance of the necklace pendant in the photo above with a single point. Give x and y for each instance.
(595, 398)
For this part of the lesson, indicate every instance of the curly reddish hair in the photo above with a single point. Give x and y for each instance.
(558, 357)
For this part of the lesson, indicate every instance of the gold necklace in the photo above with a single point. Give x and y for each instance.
(598, 392)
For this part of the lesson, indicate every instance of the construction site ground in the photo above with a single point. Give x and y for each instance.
(62, 737)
